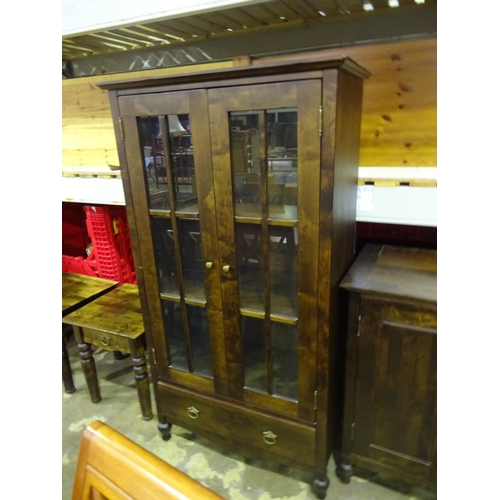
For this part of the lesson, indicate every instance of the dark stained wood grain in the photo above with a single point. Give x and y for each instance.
(113, 322)
(309, 143)
(136, 251)
(307, 63)
(199, 120)
(294, 441)
(396, 271)
(223, 408)
(78, 290)
(390, 424)
(119, 312)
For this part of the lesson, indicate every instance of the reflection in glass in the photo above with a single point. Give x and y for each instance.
(182, 160)
(250, 266)
(284, 341)
(154, 162)
(174, 332)
(163, 242)
(281, 137)
(281, 161)
(283, 246)
(254, 353)
(245, 161)
(200, 340)
(192, 259)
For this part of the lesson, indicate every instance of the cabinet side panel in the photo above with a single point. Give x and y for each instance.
(345, 180)
(395, 409)
(329, 120)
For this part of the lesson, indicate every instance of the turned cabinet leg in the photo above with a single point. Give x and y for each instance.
(345, 469)
(141, 379)
(67, 375)
(320, 485)
(164, 427)
(88, 366)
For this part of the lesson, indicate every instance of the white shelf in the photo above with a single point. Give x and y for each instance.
(415, 206)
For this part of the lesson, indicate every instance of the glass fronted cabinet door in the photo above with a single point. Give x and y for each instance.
(266, 160)
(169, 164)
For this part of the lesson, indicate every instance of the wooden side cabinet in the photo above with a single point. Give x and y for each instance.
(241, 188)
(390, 394)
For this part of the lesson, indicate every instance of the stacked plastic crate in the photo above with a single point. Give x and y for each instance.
(110, 256)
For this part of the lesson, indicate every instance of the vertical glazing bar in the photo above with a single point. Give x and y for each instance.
(265, 246)
(165, 134)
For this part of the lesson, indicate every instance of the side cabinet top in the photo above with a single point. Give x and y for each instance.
(296, 64)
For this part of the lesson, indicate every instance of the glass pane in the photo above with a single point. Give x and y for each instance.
(282, 162)
(163, 241)
(183, 171)
(154, 162)
(283, 246)
(200, 340)
(192, 259)
(284, 341)
(174, 331)
(254, 353)
(245, 162)
(250, 266)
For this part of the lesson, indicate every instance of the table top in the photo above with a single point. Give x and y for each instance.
(79, 289)
(117, 312)
(396, 271)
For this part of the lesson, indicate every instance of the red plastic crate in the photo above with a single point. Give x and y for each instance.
(111, 256)
(77, 265)
(75, 238)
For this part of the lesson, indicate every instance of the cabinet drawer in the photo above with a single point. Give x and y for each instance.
(204, 414)
(105, 340)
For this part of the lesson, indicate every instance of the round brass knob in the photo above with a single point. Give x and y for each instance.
(209, 265)
(104, 340)
(193, 412)
(226, 268)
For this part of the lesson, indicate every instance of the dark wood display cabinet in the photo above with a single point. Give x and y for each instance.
(240, 240)
(390, 424)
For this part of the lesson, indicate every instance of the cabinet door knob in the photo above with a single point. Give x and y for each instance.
(269, 437)
(226, 268)
(209, 265)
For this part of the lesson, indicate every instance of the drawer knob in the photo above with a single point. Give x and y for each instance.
(269, 437)
(226, 268)
(209, 265)
(104, 340)
(193, 412)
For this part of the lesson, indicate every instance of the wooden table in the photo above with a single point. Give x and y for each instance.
(78, 290)
(114, 323)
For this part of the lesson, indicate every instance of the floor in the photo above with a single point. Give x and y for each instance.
(231, 477)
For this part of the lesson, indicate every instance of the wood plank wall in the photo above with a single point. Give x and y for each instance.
(399, 118)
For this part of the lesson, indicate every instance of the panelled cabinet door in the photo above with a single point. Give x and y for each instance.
(169, 165)
(265, 145)
(395, 402)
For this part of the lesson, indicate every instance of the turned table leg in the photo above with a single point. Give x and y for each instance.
(320, 485)
(67, 375)
(141, 378)
(88, 365)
